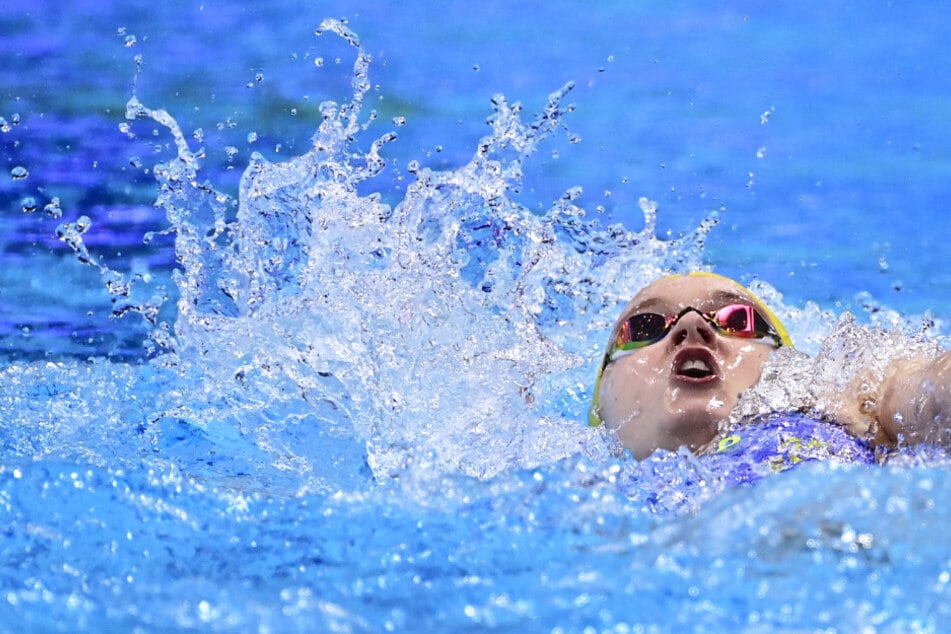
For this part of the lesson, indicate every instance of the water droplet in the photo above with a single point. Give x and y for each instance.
(760, 153)
(28, 204)
(4, 126)
(135, 161)
(259, 77)
(199, 135)
(399, 120)
(252, 137)
(19, 173)
(130, 41)
(476, 68)
(53, 208)
(15, 118)
(764, 118)
(319, 62)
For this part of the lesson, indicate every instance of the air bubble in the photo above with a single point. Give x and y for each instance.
(19, 173)
(252, 137)
(130, 41)
(319, 62)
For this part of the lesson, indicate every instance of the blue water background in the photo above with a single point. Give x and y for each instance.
(669, 106)
(817, 131)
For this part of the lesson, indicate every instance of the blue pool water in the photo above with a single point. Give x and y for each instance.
(360, 325)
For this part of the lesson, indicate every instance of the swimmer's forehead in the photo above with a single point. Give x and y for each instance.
(670, 296)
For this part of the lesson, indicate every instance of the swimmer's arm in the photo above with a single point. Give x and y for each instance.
(914, 404)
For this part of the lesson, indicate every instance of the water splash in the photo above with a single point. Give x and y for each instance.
(454, 332)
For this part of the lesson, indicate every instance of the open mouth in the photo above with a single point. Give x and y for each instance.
(696, 366)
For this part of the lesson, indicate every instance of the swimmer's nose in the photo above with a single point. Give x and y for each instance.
(692, 328)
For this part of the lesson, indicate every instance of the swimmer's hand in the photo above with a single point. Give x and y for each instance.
(914, 402)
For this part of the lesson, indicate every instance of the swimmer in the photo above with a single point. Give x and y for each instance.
(686, 348)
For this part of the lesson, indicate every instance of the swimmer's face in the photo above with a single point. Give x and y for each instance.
(674, 392)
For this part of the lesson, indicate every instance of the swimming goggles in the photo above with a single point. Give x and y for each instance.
(736, 320)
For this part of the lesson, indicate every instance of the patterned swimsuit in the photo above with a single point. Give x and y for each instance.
(781, 441)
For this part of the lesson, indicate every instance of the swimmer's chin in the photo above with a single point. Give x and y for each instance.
(695, 431)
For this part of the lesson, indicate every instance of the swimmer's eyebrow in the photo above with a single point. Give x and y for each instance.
(725, 298)
(651, 303)
(717, 299)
